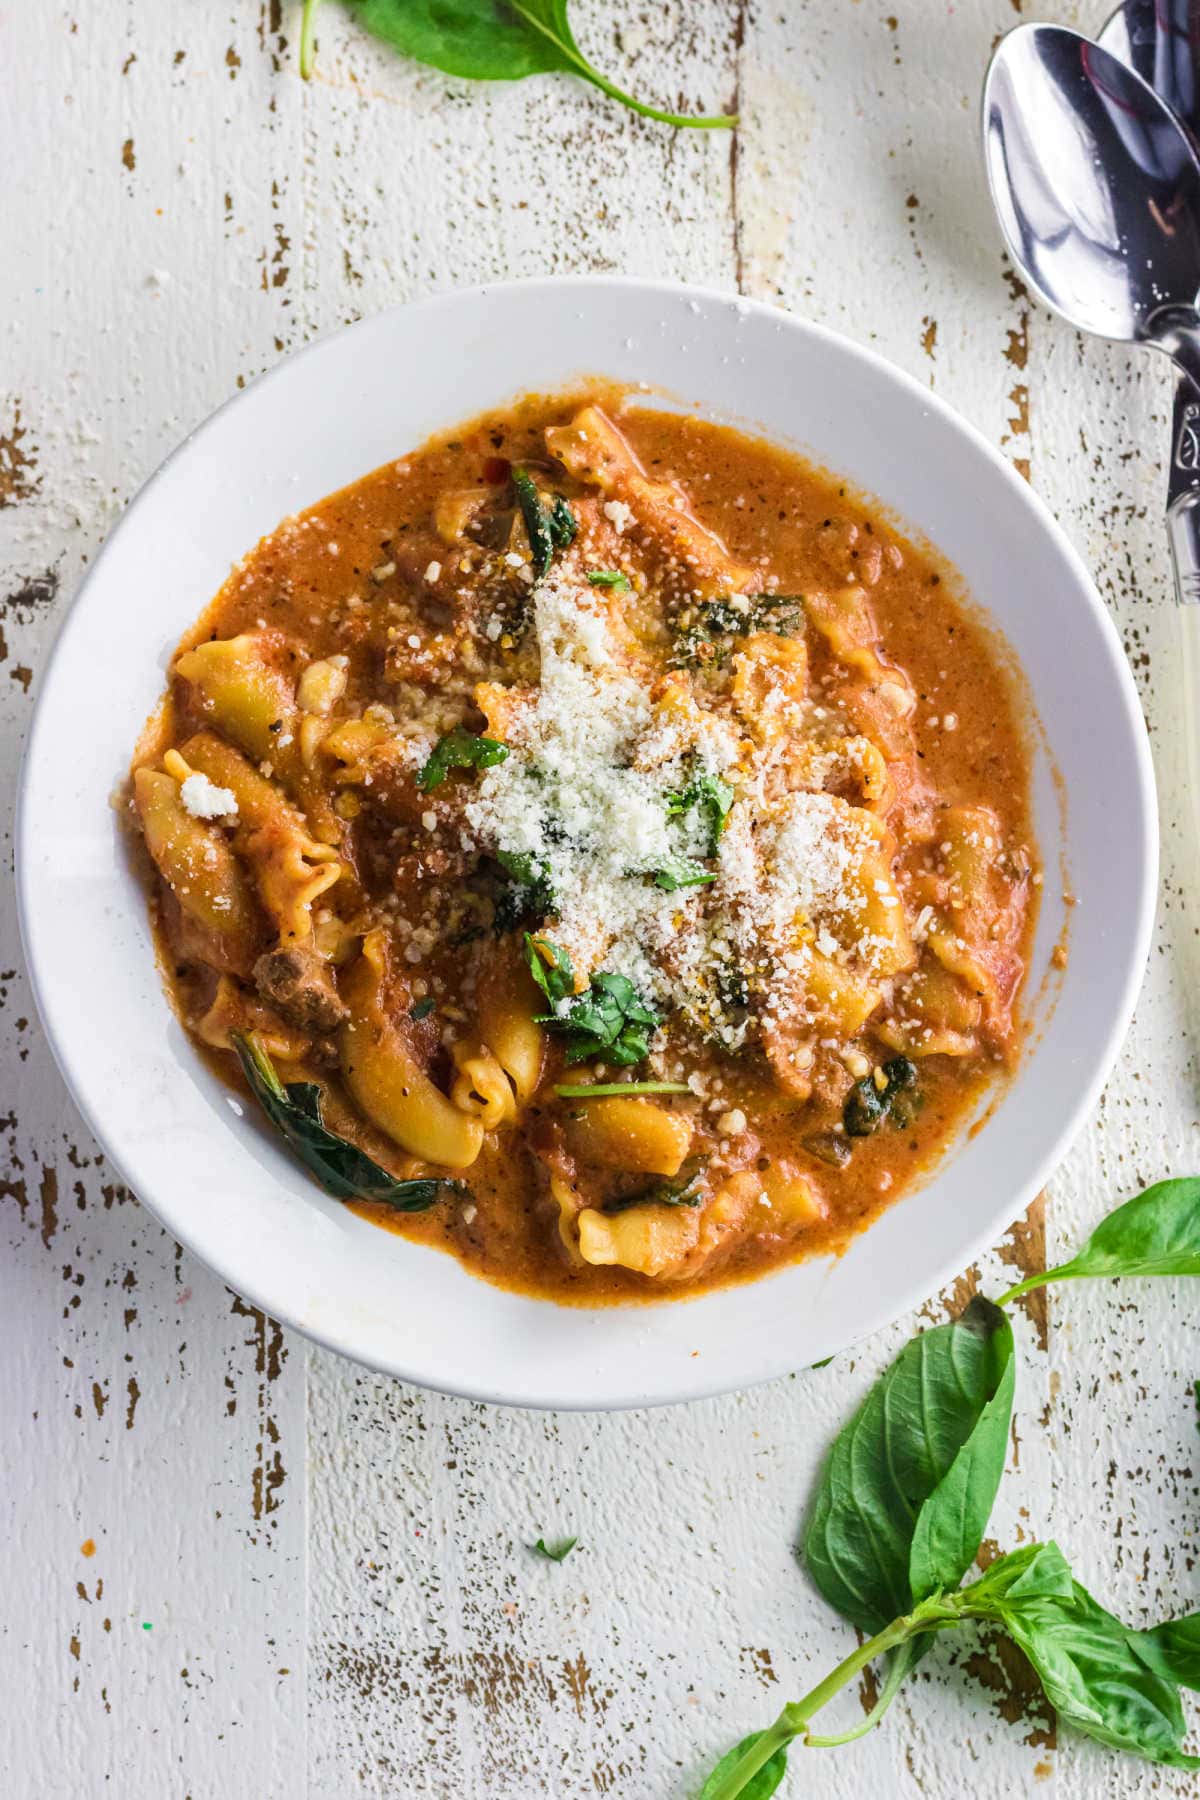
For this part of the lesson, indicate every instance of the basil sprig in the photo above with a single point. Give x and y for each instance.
(488, 40)
(609, 1019)
(458, 749)
(903, 1503)
(343, 1170)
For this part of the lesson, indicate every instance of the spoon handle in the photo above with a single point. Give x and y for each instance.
(1183, 530)
(1183, 502)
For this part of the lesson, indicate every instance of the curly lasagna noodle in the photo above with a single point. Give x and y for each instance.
(600, 844)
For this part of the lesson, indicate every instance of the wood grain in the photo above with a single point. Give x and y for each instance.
(332, 1566)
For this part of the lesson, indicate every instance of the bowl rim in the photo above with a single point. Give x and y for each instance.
(74, 1068)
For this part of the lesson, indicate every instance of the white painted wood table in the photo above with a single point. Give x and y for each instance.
(235, 1567)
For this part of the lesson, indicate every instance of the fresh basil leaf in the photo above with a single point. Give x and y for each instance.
(458, 749)
(1156, 1233)
(891, 1458)
(1172, 1650)
(761, 1785)
(554, 1552)
(1093, 1676)
(950, 1524)
(488, 40)
(609, 1019)
(609, 578)
(343, 1170)
(1036, 1571)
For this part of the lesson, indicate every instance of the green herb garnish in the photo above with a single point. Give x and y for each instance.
(681, 872)
(598, 1090)
(704, 637)
(903, 1503)
(529, 898)
(868, 1104)
(488, 40)
(554, 1552)
(342, 1169)
(609, 1019)
(711, 797)
(458, 749)
(422, 1009)
(609, 578)
(548, 528)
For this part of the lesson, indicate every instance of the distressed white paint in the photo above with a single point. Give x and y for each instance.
(375, 1553)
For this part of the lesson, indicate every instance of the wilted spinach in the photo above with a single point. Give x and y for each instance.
(341, 1168)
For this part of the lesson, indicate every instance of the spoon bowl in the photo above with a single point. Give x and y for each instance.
(1097, 189)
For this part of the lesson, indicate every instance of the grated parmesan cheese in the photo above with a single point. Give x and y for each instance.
(205, 800)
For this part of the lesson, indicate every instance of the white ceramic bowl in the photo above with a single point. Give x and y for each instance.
(216, 1179)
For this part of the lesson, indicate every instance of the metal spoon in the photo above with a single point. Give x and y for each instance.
(1097, 188)
(1160, 41)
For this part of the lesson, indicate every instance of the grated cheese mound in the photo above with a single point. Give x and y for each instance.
(205, 800)
(584, 792)
(584, 789)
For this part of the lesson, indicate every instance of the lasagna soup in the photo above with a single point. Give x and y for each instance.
(601, 844)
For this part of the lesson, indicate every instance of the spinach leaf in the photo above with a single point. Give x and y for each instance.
(609, 1019)
(609, 578)
(706, 631)
(685, 1191)
(868, 1104)
(1172, 1650)
(1156, 1233)
(488, 40)
(864, 1542)
(340, 1167)
(458, 749)
(554, 1552)
(549, 528)
(761, 1785)
(1093, 1675)
(711, 797)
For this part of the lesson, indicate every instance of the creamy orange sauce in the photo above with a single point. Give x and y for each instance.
(373, 575)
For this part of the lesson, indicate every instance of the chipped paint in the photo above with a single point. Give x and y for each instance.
(376, 1554)
(18, 461)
